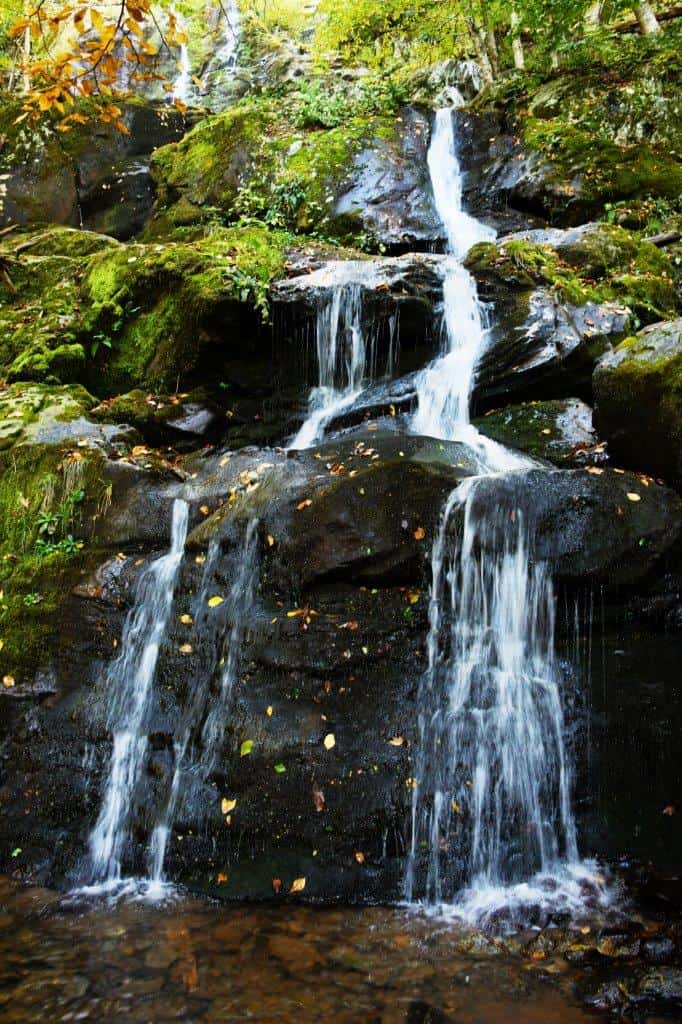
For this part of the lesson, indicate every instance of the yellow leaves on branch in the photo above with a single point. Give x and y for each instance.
(78, 50)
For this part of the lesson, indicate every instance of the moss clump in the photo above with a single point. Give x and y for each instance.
(43, 492)
(601, 263)
(251, 162)
(156, 306)
(41, 317)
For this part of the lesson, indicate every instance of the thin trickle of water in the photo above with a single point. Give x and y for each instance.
(182, 86)
(196, 746)
(223, 65)
(130, 684)
(341, 345)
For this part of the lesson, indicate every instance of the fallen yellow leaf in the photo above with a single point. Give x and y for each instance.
(213, 602)
(186, 649)
(186, 620)
(227, 805)
(632, 496)
(8, 682)
(329, 741)
(298, 885)
(419, 533)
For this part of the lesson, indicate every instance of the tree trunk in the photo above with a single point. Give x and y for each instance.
(593, 16)
(648, 22)
(491, 46)
(478, 39)
(26, 61)
(517, 45)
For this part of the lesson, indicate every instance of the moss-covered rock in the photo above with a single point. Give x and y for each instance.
(591, 263)
(597, 131)
(157, 307)
(638, 393)
(559, 431)
(252, 161)
(41, 322)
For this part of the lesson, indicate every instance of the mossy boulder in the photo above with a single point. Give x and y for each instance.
(364, 180)
(559, 431)
(159, 308)
(560, 299)
(41, 314)
(638, 394)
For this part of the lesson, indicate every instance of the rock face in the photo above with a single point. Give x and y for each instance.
(94, 176)
(638, 391)
(559, 431)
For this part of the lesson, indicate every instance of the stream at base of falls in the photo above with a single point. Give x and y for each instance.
(194, 961)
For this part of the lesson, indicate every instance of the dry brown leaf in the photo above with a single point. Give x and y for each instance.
(419, 533)
(277, 886)
(303, 504)
(360, 857)
(318, 798)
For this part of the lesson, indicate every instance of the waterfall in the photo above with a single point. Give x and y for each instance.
(494, 780)
(195, 746)
(444, 387)
(491, 808)
(223, 64)
(182, 86)
(341, 347)
(130, 682)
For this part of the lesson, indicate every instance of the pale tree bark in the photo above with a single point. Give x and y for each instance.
(592, 17)
(646, 16)
(517, 45)
(26, 58)
(491, 47)
(477, 36)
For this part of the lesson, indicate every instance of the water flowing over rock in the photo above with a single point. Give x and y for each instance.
(131, 680)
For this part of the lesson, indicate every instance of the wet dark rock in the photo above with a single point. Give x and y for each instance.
(657, 988)
(390, 192)
(541, 347)
(92, 176)
(638, 397)
(599, 525)
(557, 431)
(658, 950)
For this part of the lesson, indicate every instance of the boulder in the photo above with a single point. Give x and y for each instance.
(559, 431)
(92, 175)
(638, 396)
(595, 525)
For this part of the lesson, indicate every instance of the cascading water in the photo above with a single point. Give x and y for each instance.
(130, 684)
(182, 86)
(222, 67)
(444, 387)
(341, 348)
(195, 760)
(491, 816)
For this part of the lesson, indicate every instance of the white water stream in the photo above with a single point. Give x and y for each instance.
(129, 692)
(492, 825)
(341, 346)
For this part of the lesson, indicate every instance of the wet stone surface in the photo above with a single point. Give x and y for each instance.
(193, 960)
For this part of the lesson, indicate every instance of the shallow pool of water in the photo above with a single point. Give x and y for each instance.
(190, 959)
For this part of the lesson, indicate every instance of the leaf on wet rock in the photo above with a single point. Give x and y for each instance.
(318, 798)
(304, 504)
(329, 741)
(221, 878)
(205, 510)
(398, 741)
(268, 711)
(271, 541)
(280, 769)
(186, 620)
(277, 886)
(595, 470)
(226, 806)
(360, 857)
(186, 649)
(633, 496)
(298, 885)
(8, 682)
(246, 748)
(214, 601)
(419, 533)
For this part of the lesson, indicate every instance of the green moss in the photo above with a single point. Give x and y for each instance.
(160, 303)
(602, 264)
(44, 491)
